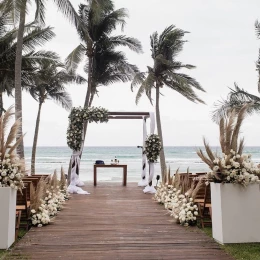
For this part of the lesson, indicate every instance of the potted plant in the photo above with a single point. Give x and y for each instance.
(234, 182)
(11, 169)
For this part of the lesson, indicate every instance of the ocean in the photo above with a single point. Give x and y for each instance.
(50, 158)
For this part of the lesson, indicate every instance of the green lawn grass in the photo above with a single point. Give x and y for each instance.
(3, 253)
(247, 251)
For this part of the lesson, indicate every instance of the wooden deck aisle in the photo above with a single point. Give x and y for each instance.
(115, 222)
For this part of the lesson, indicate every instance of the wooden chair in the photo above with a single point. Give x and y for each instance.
(23, 205)
(17, 223)
(204, 206)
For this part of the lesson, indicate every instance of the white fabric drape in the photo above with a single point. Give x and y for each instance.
(75, 181)
(143, 182)
(148, 188)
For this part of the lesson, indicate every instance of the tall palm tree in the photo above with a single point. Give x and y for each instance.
(104, 65)
(19, 10)
(165, 72)
(49, 82)
(101, 40)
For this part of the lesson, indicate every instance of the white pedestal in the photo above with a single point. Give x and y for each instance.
(235, 213)
(7, 216)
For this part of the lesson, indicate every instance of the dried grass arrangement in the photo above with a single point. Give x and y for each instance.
(232, 166)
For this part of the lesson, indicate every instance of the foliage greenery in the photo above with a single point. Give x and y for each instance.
(77, 118)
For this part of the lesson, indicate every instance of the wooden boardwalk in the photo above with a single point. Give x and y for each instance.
(115, 222)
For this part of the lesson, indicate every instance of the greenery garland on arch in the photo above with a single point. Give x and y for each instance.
(153, 147)
(77, 117)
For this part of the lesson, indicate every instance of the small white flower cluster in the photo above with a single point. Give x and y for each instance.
(76, 119)
(10, 173)
(153, 147)
(164, 194)
(181, 207)
(41, 217)
(234, 168)
(184, 210)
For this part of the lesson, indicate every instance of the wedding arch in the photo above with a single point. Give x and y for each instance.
(75, 140)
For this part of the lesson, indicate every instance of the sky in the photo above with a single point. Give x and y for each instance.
(221, 43)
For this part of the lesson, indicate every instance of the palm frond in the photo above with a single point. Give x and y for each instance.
(40, 12)
(122, 40)
(62, 98)
(138, 79)
(74, 58)
(240, 117)
(69, 12)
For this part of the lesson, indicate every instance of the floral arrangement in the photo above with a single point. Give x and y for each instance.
(11, 167)
(48, 199)
(153, 147)
(232, 166)
(76, 119)
(41, 217)
(184, 210)
(178, 196)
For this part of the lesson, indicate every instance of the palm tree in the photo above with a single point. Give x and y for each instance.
(102, 46)
(49, 82)
(19, 9)
(165, 72)
(104, 64)
(33, 37)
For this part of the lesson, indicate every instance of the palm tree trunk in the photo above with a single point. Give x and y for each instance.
(36, 132)
(159, 129)
(1, 104)
(18, 69)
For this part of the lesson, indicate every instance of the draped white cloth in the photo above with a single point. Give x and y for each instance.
(75, 181)
(143, 182)
(148, 188)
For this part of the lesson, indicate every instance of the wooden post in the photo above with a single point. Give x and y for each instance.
(95, 175)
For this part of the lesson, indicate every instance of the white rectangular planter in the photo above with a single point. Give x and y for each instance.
(235, 213)
(7, 216)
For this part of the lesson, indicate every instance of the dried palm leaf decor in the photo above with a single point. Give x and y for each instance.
(232, 166)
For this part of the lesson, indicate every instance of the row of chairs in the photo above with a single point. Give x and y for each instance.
(203, 197)
(23, 201)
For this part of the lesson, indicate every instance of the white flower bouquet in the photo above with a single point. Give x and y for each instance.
(41, 217)
(153, 147)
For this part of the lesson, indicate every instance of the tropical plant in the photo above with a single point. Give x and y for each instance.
(18, 9)
(104, 64)
(165, 72)
(48, 82)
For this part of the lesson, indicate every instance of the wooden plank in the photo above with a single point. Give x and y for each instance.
(115, 222)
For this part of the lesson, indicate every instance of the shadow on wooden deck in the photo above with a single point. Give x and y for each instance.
(115, 222)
